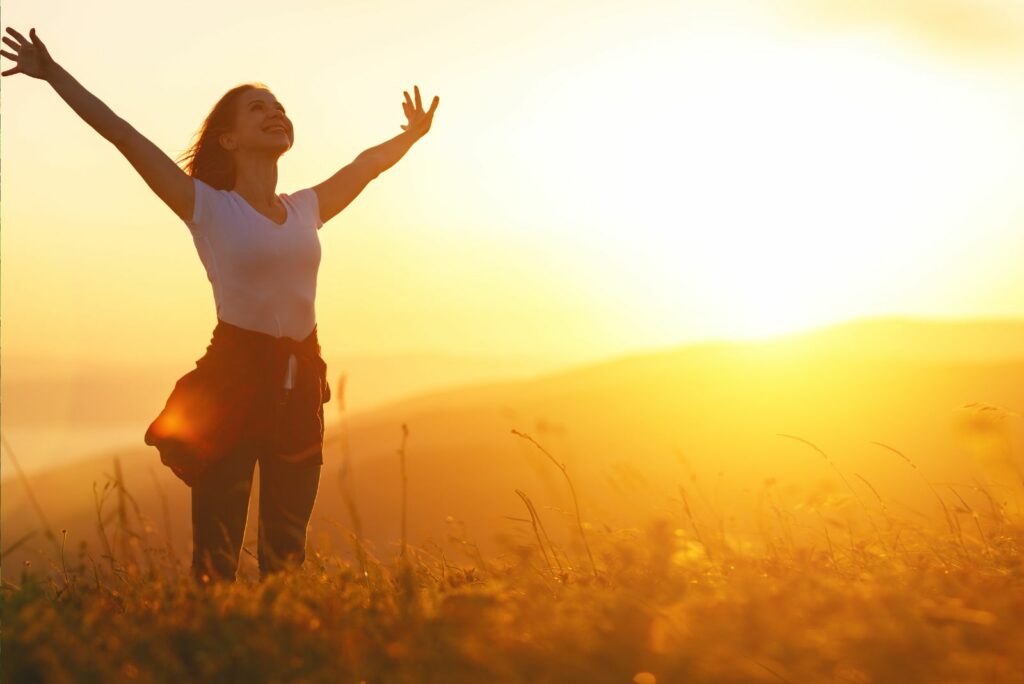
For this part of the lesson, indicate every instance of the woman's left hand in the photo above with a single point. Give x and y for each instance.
(419, 120)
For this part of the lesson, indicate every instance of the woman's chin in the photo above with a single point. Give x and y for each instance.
(277, 148)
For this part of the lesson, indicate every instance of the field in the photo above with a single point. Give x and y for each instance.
(845, 506)
(878, 598)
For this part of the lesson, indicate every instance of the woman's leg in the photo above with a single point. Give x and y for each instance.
(220, 502)
(287, 493)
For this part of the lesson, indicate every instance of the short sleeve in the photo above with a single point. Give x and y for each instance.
(310, 203)
(202, 212)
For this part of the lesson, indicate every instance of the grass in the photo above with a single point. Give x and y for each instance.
(868, 597)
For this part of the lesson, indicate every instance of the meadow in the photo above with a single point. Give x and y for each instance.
(843, 506)
(836, 588)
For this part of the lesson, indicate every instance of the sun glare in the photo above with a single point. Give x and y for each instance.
(747, 184)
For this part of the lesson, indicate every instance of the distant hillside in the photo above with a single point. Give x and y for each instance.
(949, 340)
(631, 430)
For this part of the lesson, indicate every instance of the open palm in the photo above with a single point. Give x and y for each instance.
(32, 56)
(419, 120)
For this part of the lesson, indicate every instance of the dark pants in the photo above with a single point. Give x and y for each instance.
(220, 502)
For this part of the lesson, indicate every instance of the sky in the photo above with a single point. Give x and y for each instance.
(600, 177)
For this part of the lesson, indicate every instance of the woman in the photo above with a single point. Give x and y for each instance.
(257, 394)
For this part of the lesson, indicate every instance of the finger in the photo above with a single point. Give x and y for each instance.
(9, 55)
(419, 104)
(408, 99)
(17, 35)
(10, 71)
(10, 42)
(433, 105)
(36, 39)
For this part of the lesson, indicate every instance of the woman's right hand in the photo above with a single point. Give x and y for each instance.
(32, 56)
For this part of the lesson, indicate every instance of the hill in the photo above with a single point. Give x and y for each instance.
(723, 419)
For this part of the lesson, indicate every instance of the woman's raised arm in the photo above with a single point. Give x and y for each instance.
(335, 193)
(168, 180)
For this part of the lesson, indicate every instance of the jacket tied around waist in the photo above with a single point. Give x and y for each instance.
(238, 384)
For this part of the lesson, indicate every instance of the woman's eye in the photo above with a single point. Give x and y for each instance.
(260, 105)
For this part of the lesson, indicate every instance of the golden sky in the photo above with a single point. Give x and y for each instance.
(599, 177)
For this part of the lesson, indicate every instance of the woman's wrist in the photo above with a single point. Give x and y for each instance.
(53, 71)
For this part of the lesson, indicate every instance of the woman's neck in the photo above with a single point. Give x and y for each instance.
(256, 181)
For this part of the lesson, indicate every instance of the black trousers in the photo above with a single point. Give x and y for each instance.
(220, 503)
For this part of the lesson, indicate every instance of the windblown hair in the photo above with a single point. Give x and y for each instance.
(205, 159)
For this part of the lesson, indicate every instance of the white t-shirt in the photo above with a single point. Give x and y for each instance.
(263, 273)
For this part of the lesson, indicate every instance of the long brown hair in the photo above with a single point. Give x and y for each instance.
(206, 159)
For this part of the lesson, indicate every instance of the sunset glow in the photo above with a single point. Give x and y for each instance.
(654, 341)
(668, 174)
(599, 182)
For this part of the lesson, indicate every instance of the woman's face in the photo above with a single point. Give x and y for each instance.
(258, 123)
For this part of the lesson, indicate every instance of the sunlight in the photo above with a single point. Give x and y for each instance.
(774, 184)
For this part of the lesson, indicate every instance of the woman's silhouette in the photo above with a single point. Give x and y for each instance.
(257, 394)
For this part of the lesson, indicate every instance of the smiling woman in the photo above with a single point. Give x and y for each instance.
(257, 394)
